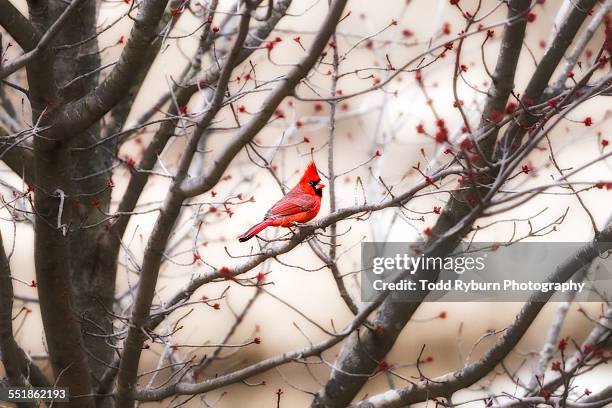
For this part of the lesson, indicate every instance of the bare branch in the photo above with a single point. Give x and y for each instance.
(128, 369)
(20, 370)
(448, 384)
(18, 26)
(360, 354)
(45, 40)
(260, 367)
(139, 179)
(581, 43)
(199, 185)
(80, 114)
(18, 159)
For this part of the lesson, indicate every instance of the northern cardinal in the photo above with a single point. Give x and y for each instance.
(299, 205)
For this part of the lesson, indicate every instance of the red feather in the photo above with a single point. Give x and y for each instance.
(291, 204)
(310, 174)
(299, 205)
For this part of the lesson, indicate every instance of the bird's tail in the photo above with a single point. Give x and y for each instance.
(254, 230)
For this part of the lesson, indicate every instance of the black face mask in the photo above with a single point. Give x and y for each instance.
(317, 191)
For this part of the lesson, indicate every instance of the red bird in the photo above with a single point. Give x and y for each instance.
(299, 205)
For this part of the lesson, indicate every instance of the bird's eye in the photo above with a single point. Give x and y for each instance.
(312, 183)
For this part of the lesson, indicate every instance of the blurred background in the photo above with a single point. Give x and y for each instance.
(383, 120)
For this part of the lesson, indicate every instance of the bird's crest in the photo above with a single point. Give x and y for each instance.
(311, 173)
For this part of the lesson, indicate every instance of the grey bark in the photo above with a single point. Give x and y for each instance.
(363, 351)
(446, 385)
(76, 248)
(20, 370)
(361, 354)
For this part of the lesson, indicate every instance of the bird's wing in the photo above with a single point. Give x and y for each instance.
(293, 203)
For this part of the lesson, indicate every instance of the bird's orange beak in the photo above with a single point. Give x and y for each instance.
(320, 186)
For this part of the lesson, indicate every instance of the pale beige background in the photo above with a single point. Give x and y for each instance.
(314, 292)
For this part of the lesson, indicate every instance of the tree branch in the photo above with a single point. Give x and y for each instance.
(450, 383)
(172, 204)
(20, 370)
(80, 114)
(595, 339)
(199, 185)
(122, 109)
(46, 39)
(543, 73)
(300, 236)
(139, 178)
(18, 159)
(18, 26)
(128, 368)
(361, 354)
(581, 43)
(260, 367)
